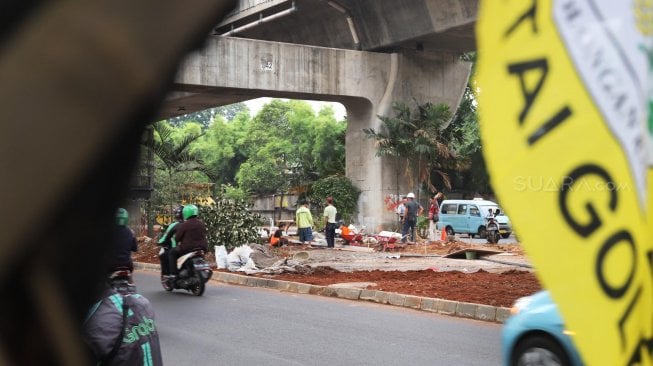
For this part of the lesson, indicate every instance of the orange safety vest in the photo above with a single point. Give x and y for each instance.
(274, 240)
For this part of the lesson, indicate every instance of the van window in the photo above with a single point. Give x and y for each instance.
(448, 208)
(485, 209)
(462, 209)
(473, 211)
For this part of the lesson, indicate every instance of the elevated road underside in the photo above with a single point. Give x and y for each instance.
(365, 54)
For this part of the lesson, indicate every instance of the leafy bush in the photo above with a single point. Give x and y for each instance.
(423, 226)
(345, 195)
(230, 222)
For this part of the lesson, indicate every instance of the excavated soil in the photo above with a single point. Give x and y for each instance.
(497, 279)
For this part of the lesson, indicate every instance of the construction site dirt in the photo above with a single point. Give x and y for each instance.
(497, 276)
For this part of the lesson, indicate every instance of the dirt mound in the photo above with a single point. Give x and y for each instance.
(479, 286)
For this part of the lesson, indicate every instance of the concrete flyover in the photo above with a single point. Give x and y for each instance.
(413, 50)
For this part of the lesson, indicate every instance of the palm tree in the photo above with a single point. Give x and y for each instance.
(393, 138)
(434, 138)
(422, 139)
(174, 156)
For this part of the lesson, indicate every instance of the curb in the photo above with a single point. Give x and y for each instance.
(433, 305)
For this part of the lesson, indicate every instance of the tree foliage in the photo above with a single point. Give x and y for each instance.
(222, 147)
(420, 139)
(205, 117)
(471, 168)
(175, 162)
(345, 195)
(173, 150)
(261, 176)
(287, 145)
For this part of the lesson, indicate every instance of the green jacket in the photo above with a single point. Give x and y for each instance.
(303, 217)
(168, 238)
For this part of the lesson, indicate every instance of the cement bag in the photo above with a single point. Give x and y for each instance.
(221, 256)
(233, 262)
(390, 234)
(249, 266)
(238, 257)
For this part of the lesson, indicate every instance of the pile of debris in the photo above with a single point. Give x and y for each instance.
(257, 258)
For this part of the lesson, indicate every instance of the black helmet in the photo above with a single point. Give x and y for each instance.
(176, 212)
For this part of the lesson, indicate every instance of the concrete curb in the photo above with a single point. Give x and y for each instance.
(440, 306)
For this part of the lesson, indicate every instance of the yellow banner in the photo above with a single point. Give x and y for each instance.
(564, 99)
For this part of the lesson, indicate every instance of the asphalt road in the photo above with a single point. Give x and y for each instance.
(232, 325)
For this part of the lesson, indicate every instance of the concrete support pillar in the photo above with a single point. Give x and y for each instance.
(437, 78)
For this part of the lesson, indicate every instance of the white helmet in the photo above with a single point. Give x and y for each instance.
(411, 195)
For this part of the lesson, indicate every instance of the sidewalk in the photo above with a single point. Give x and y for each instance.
(351, 292)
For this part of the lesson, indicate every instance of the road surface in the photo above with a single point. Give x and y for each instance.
(232, 325)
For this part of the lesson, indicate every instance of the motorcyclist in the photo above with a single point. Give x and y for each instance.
(123, 245)
(190, 236)
(491, 219)
(167, 240)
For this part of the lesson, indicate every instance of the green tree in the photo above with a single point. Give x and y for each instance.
(269, 150)
(345, 196)
(393, 139)
(434, 138)
(234, 193)
(471, 167)
(205, 117)
(260, 175)
(469, 149)
(223, 147)
(285, 146)
(329, 145)
(176, 163)
(174, 154)
(300, 146)
(420, 140)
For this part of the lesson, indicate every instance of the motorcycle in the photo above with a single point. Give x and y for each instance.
(492, 228)
(194, 272)
(120, 280)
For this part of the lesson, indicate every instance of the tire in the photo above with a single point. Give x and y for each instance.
(166, 285)
(449, 231)
(539, 350)
(482, 232)
(493, 238)
(505, 236)
(198, 289)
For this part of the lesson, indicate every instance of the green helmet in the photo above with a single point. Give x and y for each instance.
(122, 217)
(190, 211)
